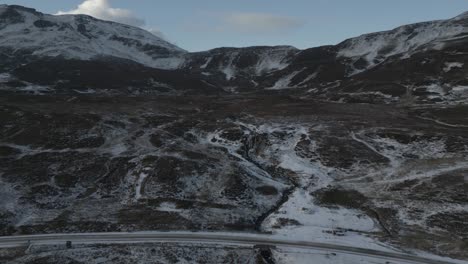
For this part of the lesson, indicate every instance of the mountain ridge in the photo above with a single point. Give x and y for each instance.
(340, 45)
(346, 72)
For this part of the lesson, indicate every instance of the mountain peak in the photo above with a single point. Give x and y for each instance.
(19, 7)
(15, 10)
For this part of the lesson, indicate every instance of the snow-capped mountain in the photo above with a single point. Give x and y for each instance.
(372, 49)
(24, 30)
(370, 68)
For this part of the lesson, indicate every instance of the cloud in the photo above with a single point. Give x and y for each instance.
(102, 9)
(259, 23)
(157, 33)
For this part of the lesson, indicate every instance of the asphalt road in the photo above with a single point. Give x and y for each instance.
(205, 238)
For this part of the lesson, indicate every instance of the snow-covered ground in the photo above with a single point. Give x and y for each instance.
(313, 222)
(300, 217)
(302, 256)
(297, 256)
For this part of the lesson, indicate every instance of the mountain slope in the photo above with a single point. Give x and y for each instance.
(404, 41)
(24, 30)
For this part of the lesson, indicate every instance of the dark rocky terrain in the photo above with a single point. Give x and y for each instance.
(334, 143)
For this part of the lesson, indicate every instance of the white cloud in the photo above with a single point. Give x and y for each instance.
(102, 9)
(157, 33)
(259, 23)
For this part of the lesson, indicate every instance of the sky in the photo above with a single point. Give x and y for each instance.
(197, 25)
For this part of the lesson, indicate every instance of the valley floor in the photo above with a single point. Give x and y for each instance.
(381, 177)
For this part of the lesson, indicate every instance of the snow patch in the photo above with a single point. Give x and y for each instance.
(143, 175)
(169, 207)
(271, 61)
(155, 83)
(308, 79)
(35, 89)
(322, 224)
(285, 255)
(229, 72)
(459, 89)
(168, 63)
(87, 91)
(452, 65)
(117, 149)
(206, 63)
(5, 77)
(435, 88)
(284, 83)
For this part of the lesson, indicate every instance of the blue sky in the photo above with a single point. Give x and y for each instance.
(204, 24)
